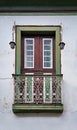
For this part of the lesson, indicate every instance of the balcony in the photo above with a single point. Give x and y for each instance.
(37, 93)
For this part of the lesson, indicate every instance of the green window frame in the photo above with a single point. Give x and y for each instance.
(36, 30)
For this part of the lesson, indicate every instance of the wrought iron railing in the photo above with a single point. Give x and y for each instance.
(37, 89)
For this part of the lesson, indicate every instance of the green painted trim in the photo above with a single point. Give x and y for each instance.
(58, 55)
(24, 108)
(68, 13)
(36, 29)
(18, 51)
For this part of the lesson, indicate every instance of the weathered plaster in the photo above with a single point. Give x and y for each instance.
(65, 121)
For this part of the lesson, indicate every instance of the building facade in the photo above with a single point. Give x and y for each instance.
(29, 65)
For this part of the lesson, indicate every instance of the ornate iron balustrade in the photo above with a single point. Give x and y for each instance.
(37, 89)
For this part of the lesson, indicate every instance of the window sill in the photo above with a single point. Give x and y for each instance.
(32, 108)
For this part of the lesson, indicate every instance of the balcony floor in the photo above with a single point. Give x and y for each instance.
(40, 108)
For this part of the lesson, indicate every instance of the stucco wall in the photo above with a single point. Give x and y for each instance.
(65, 121)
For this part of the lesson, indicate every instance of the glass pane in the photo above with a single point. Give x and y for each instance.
(47, 53)
(29, 47)
(47, 42)
(29, 64)
(29, 58)
(29, 41)
(28, 52)
(46, 58)
(47, 64)
(46, 47)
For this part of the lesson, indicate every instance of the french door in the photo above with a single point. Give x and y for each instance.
(38, 61)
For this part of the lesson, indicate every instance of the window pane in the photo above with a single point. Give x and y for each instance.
(46, 58)
(47, 64)
(29, 58)
(29, 64)
(46, 47)
(47, 53)
(28, 52)
(29, 41)
(47, 41)
(29, 47)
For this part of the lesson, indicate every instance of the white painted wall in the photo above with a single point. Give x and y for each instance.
(65, 121)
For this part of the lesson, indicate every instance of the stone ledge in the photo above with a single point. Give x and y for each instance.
(39, 108)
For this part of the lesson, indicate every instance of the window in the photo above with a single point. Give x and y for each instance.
(37, 79)
(47, 53)
(28, 53)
